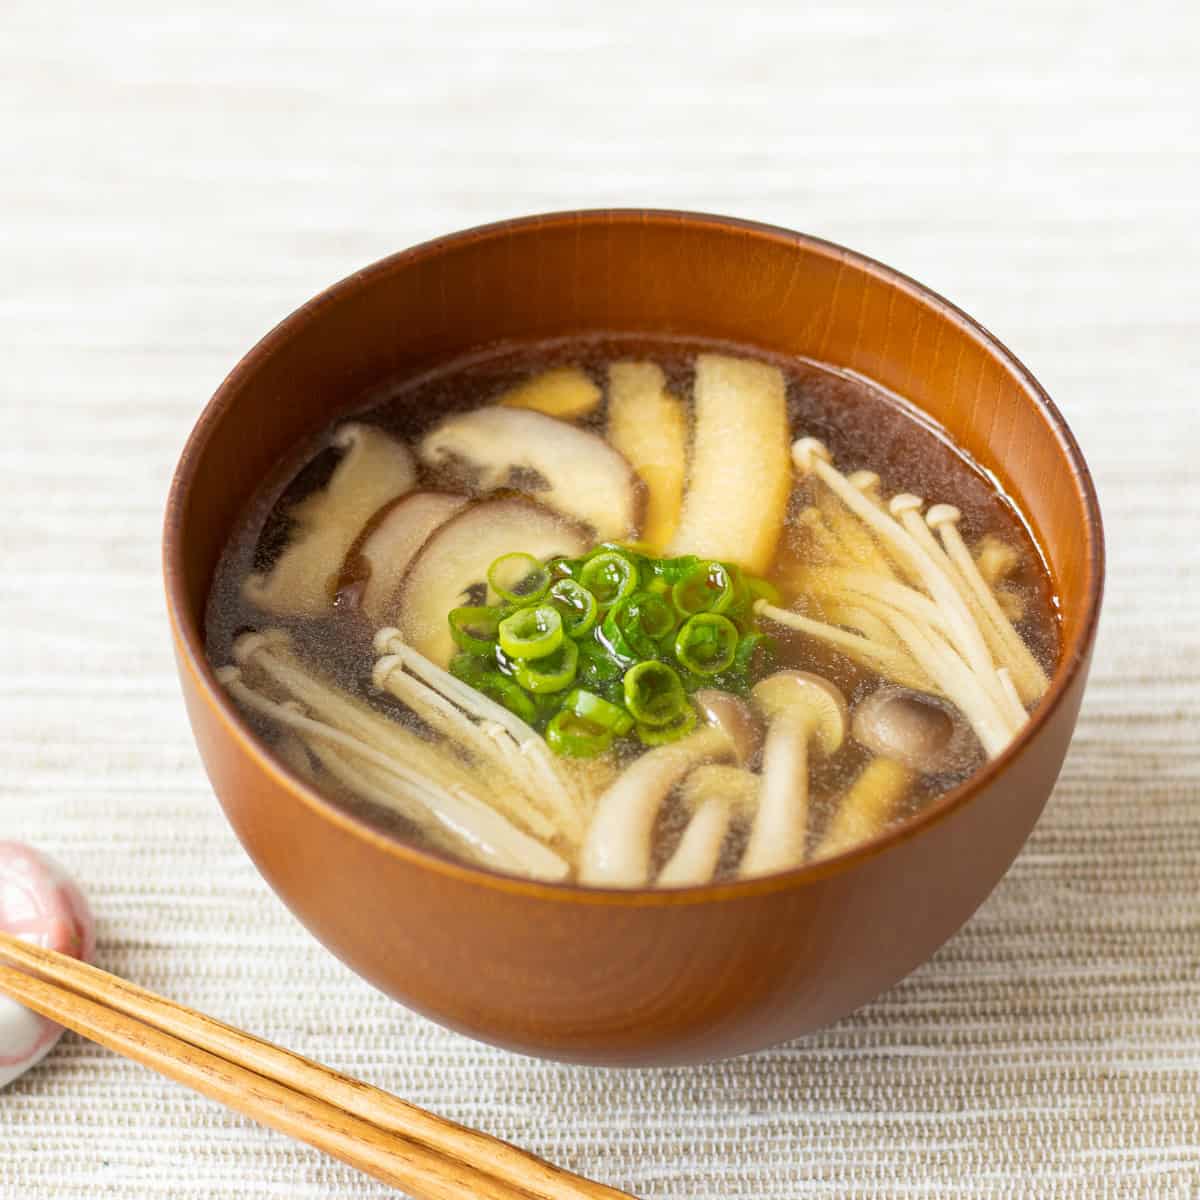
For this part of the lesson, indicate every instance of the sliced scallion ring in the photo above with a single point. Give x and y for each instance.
(660, 735)
(610, 576)
(654, 694)
(549, 673)
(571, 735)
(531, 632)
(590, 707)
(707, 587)
(474, 627)
(519, 578)
(576, 605)
(706, 643)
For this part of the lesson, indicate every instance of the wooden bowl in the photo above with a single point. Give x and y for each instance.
(631, 977)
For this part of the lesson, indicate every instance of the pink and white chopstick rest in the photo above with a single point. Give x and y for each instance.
(40, 903)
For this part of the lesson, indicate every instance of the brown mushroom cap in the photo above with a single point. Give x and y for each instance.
(809, 697)
(726, 712)
(914, 728)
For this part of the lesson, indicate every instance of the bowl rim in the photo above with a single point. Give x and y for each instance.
(189, 643)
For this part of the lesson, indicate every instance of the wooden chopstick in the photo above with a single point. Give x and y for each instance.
(395, 1141)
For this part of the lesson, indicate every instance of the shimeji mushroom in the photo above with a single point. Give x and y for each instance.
(912, 734)
(739, 482)
(585, 478)
(375, 567)
(921, 731)
(715, 796)
(805, 712)
(564, 392)
(617, 849)
(432, 800)
(374, 469)
(649, 427)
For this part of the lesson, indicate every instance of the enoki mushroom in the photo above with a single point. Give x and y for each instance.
(916, 607)
(385, 763)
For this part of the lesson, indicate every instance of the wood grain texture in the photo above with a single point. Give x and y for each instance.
(176, 182)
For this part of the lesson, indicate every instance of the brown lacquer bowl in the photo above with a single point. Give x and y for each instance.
(631, 977)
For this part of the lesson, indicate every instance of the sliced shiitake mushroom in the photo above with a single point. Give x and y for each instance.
(456, 556)
(373, 470)
(376, 566)
(585, 478)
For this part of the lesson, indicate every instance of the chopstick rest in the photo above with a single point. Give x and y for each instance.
(39, 903)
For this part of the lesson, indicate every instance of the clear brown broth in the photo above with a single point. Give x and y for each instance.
(864, 426)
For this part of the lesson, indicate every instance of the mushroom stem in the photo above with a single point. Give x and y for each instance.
(839, 581)
(270, 654)
(1027, 673)
(616, 851)
(417, 796)
(390, 641)
(1012, 697)
(811, 457)
(780, 831)
(803, 710)
(891, 663)
(512, 795)
(867, 807)
(713, 794)
(956, 681)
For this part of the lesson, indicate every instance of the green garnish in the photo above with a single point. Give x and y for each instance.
(610, 646)
(474, 628)
(576, 605)
(518, 578)
(610, 576)
(653, 693)
(706, 643)
(549, 673)
(531, 632)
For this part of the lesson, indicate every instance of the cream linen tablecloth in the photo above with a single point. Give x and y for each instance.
(172, 183)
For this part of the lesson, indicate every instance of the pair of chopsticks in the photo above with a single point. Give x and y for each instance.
(405, 1146)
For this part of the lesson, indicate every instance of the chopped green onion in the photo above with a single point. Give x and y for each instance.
(531, 632)
(763, 589)
(576, 605)
(753, 654)
(706, 643)
(549, 673)
(475, 673)
(590, 707)
(653, 693)
(660, 735)
(571, 735)
(708, 587)
(672, 570)
(610, 576)
(518, 578)
(474, 628)
(641, 621)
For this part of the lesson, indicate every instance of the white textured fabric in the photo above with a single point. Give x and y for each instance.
(175, 178)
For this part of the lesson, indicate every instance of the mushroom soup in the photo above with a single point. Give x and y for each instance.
(633, 614)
